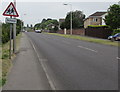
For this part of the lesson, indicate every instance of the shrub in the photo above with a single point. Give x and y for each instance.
(6, 31)
(97, 26)
(115, 31)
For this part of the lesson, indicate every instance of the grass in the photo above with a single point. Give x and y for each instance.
(6, 63)
(94, 40)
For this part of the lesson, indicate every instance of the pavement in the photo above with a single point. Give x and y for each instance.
(27, 72)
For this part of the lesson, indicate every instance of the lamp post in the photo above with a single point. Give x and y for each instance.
(22, 21)
(70, 17)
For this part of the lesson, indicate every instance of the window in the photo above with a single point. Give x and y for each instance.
(95, 19)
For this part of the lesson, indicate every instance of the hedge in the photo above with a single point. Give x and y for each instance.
(6, 31)
(97, 26)
(116, 31)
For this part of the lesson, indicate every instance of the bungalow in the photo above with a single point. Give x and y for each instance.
(95, 19)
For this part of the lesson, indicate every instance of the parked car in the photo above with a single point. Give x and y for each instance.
(115, 37)
(38, 31)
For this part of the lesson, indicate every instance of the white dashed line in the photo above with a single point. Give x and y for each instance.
(88, 49)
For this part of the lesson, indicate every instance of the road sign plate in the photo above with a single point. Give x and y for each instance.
(9, 20)
(11, 11)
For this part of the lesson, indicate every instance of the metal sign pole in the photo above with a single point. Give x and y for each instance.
(14, 33)
(11, 11)
(10, 39)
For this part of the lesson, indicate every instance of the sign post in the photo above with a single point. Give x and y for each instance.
(10, 40)
(11, 11)
(14, 33)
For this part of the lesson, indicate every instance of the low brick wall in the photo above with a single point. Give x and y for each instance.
(74, 31)
(98, 32)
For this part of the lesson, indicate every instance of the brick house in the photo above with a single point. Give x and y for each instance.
(95, 19)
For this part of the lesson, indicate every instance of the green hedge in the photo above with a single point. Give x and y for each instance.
(116, 31)
(97, 26)
(6, 31)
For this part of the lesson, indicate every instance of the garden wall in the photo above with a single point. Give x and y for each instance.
(74, 31)
(98, 32)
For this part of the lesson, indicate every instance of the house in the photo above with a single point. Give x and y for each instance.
(95, 19)
(51, 26)
(60, 22)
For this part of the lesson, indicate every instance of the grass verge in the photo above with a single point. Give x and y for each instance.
(94, 40)
(5, 62)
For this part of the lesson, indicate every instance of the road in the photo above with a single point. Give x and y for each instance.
(71, 64)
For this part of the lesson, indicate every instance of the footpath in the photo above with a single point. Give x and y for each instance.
(27, 72)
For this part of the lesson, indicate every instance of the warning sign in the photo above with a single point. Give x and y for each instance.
(11, 11)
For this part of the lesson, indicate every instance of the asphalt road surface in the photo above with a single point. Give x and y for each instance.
(72, 64)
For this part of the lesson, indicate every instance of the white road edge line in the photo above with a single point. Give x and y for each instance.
(49, 79)
(88, 49)
(118, 58)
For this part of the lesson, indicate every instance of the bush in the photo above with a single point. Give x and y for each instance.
(6, 31)
(97, 26)
(115, 31)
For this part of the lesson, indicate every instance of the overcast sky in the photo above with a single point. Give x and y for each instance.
(33, 12)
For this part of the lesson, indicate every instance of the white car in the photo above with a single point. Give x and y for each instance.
(38, 31)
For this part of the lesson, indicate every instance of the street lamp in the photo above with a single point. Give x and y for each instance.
(22, 21)
(70, 18)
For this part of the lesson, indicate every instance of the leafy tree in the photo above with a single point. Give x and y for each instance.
(27, 25)
(113, 17)
(18, 26)
(45, 22)
(77, 20)
(31, 25)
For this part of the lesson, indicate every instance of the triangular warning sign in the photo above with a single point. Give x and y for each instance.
(11, 11)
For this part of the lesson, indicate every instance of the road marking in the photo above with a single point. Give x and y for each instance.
(43, 66)
(88, 49)
(118, 58)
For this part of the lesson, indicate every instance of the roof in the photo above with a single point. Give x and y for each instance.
(98, 14)
(61, 20)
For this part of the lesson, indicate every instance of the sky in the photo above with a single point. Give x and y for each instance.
(33, 11)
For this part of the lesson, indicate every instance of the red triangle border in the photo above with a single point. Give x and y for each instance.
(14, 9)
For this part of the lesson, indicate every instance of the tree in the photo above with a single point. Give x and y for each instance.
(31, 26)
(112, 19)
(77, 20)
(18, 26)
(27, 25)
(45, 22)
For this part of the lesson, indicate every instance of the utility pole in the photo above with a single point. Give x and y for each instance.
(14, 33)
(70, 17)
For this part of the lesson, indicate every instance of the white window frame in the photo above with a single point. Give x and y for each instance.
(95, 19)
